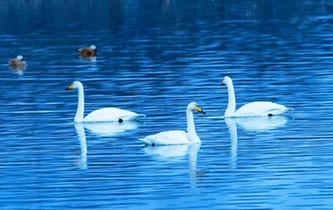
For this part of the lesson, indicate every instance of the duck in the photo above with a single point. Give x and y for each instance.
(108, 114)
(17, 62)
(178, 137)
(88, 52)
(253, 109)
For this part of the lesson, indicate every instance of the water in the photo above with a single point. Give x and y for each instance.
(154, 58)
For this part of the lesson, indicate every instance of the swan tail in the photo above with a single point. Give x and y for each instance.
(134, 117)
(286, 109)
(146, 141)
(141, 115)
(290, 109)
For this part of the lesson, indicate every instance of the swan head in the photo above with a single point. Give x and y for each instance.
(93, 47)
(19, 57)
(74, 85)
(226, 80)
(193, 106)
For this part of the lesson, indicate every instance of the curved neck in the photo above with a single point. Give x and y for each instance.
(231, 100)
(193, 137)
(80, 105)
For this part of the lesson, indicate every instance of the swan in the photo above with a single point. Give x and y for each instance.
(108, 114)
(258, 108)
(177, 136)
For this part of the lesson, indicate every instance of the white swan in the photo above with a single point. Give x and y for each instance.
(108, 114)
(177, 136)
(258, 108)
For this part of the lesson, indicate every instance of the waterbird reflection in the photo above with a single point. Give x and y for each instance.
(93, 60)
(18, 70)
(101, 129)
(83, 144)
(260, 124)
(110, 128)
(257, 124)
(174, 152)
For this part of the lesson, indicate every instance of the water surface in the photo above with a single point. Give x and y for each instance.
(154, 57)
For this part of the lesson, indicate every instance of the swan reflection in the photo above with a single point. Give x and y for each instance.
(101, 129)
(257, 124)
(174, 152)
(260, 124)
(111, 128)
(83, 144)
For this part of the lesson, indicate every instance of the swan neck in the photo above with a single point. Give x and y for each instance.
(231, 100)
(193, 137)
(80, 105)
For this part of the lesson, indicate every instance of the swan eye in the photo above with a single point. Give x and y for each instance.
(70, 87)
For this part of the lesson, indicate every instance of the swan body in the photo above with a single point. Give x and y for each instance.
(253, 109)
(167, 138)
(178, 137)
(109, 114)
(260, 108)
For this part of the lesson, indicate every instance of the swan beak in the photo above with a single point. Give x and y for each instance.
(199, 109)
(70, 87)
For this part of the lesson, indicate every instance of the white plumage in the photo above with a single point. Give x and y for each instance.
(111, 114)
(177, 137)
(108, 114)
(167, 138)
(258, 108)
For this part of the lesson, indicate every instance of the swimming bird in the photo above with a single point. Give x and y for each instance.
(88, 52)
(257, 108)
(175, 137)
(17, 62)
(109, 114)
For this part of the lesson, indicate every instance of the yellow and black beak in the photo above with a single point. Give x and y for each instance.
(70, 87)
(199, 109)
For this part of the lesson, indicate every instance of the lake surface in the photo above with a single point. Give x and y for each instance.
(154, 57)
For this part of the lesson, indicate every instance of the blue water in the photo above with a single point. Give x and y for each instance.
(154, 57)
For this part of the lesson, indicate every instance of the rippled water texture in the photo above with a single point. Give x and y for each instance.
(154, 57)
